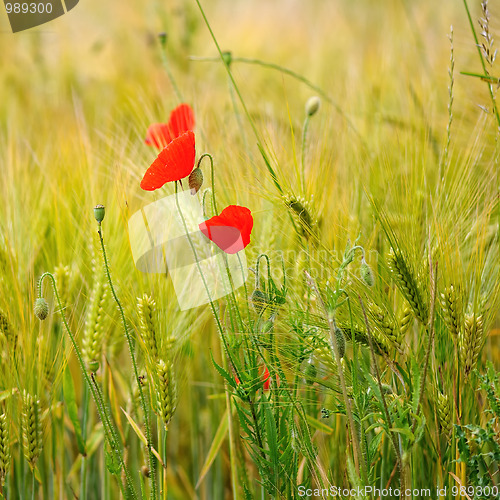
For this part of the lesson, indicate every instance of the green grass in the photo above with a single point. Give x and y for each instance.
(76, 97)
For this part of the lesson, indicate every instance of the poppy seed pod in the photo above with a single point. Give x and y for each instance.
(312, 105)
(195, 180)
(41, 308)
(99, 212)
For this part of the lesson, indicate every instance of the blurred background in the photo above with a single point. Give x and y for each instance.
(77, 95)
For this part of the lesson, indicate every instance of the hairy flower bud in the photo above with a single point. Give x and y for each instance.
(366, 273)
(41, 308)
(259, 300)
(339, 337)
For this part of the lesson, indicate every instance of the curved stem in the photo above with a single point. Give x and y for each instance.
(145, 408)
(212, 306)
(257, 272)
(214, 203)
(303, 159)
(109, 432)
(240, 97)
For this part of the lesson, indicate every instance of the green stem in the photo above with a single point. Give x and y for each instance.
(247, 113)
(347, 401)
(212, 177)
(303, 159)
(144, 406)
(109, 432)
(162, 440)
(243, 277)
(257, 269)
(166, 67)
(431, 332)
(232, 294)
(388, 418)
(207, 291)
(219, 328)
(33, 484)
(83, 469)
(232, 441)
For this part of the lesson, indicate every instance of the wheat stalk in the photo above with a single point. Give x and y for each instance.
(166, 391)
(471, 342)
(32, 428)
(4, 449)
(93, 335)
(408, 284)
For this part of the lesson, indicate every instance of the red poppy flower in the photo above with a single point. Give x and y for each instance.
(181, 120)
(230, 230)
(173, 163)
(264, 377)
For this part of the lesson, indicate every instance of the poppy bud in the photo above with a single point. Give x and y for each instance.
(195, 180)
(259, 300)
(99, 212)
(41, 308)
(339, 336)
(312, 105)
(366, 273)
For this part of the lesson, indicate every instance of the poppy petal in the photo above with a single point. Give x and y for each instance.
(181, 120)
(230, 230)
(173, 163)
(266, 380)
(158, 135)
